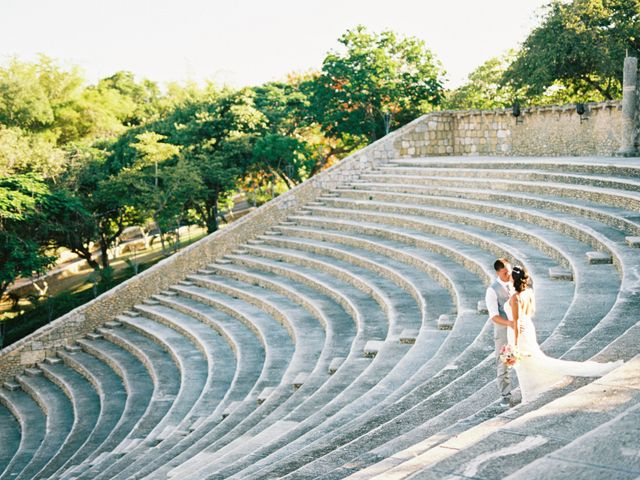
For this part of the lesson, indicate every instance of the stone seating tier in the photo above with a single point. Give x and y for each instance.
(347, 339)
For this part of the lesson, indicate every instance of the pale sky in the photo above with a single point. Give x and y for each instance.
(249, 42)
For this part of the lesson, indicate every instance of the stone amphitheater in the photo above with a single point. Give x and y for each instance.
(339, 331)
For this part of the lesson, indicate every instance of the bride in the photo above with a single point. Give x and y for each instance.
(536, 371)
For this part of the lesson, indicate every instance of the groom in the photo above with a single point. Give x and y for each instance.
(497, 296)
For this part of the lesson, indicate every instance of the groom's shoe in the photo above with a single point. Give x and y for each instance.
(505, 402)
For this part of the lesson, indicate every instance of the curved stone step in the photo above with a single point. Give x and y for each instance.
(615, 217)
(416, 357)
(59, 420)
(595, 166)
(113, 399)
(165, 345)
(611, 181)
(385, 291)
(397, 272)
(279, 346)
(535, 434)
(11, 436)
(86, 409)
(32, 420)
(251, 364)
(140, 389)
(606, 196)
(517, 226)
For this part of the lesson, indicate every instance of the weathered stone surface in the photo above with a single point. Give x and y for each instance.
(633, 241)
(372, 348)
(445, 322)
(596, 258)
(32, 357)
(409, 335)
(560, 273)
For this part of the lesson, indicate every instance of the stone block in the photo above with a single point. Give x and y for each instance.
(230, 409)
(300, 379)
(335, 364)
(409, 336)
(560, 273)
(633, 242)
(33, 372)
(11, 385)
(31, 357)
(372, 347)
(264, 395)
(445, 322)
(598, 258)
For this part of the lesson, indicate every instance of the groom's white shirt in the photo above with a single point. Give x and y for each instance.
(491, 299)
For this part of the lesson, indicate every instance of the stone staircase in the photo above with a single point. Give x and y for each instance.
(349, 341)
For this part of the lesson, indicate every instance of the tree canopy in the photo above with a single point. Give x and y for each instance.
(580, 47)
(372, 76)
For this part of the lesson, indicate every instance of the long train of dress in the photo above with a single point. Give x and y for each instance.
(536, 371)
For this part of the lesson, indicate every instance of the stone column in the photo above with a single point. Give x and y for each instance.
(629, 106)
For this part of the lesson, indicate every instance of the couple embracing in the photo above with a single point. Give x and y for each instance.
(511, 304)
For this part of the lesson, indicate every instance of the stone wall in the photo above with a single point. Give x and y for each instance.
(540, 131)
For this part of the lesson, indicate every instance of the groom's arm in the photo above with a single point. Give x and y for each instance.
(491, 300)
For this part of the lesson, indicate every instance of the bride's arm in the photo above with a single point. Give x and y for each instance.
(513, 301)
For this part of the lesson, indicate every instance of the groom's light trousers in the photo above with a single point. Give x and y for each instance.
(504, 381)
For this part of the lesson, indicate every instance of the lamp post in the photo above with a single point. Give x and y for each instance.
(515, 111)
(387, 122)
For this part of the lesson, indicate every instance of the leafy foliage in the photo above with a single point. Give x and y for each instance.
(22, 242)
(374, 75)
(579, 48)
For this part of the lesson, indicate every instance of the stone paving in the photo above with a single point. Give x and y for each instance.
(347, 339)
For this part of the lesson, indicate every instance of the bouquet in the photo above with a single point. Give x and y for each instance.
(509, 355)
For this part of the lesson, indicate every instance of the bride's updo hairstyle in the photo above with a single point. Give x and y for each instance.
(521, 279)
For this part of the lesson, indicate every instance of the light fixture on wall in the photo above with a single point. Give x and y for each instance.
(581, 109)
(515, 111)
(387, 122)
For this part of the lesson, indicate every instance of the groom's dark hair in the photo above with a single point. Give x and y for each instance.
(500, 263)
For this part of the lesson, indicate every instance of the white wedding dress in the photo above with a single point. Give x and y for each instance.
(536, 371)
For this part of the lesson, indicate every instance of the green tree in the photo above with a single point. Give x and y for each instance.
(375, 75)
(167, 185)
(283, 157)
(22, 242)
(22, 152)
(107, 197)
(217, 134)
(579, 47)
(483, 89)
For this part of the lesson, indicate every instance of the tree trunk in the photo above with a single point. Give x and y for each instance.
(104, 253)
(87, 256)
(160, 233)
